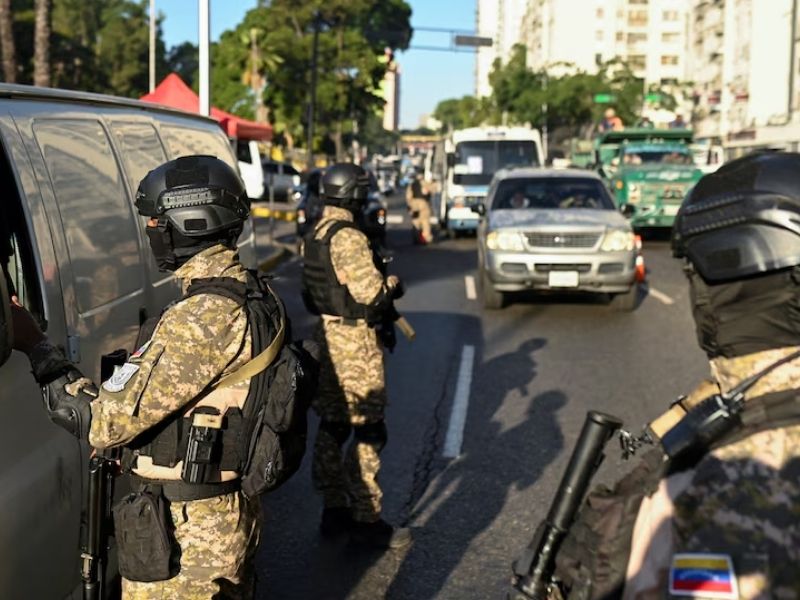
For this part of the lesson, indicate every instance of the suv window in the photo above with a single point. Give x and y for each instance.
(141, 149)
(94, 208)
(290, 170)
(243, 151)
(551, 193)
(270, 167)
(186, 141)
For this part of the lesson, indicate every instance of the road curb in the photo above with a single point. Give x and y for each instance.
(263, 212)
(275, 258)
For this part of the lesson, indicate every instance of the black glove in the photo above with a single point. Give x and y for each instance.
(415, 214)
(398, 291)
(67, 393)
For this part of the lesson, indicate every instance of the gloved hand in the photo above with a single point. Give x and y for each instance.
(68, 403)
(387, 336)
(415, 214)
(396, 287)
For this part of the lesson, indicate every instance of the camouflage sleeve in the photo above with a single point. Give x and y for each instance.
(352, 262)
(192, 345)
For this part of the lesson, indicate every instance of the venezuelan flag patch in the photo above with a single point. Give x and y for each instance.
(703, 576)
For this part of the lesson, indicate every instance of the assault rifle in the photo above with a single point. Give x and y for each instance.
(391, 317)
(533, 570)
(103, 468)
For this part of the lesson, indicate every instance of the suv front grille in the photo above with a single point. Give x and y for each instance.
(562, 240)
(546, 268)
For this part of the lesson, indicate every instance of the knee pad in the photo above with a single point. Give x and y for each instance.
(337, 430)
(374, 434)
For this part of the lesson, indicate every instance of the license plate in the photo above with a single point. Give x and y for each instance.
(562, 279)
(671, 210)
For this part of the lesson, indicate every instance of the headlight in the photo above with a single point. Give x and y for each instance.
(507, 241)
(618, 240)
(634, 193)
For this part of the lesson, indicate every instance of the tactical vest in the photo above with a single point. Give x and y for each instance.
(593, 558)
(270, 409)
(322, 292)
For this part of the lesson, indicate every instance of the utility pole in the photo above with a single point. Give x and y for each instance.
(152, 45)
(312, 104)
(792, 61)
(205, 34)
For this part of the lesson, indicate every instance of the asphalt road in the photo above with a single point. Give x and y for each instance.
(536, 367)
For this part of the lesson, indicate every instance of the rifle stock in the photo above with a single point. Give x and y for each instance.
(94, 553)
(533, 571)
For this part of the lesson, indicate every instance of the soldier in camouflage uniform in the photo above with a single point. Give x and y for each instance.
(730, 524)
(342, 284)
(196, 342)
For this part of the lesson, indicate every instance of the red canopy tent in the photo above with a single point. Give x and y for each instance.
(173, 92)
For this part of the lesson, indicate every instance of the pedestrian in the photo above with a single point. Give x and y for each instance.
(157, 402)
(611, 122)
(713, 506)
(343, 285)
(418, 202)
(678, 122)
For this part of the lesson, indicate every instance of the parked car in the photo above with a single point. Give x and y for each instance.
(78, 258)
(372, 218)
(250, 169)
(554, 230)
(282, 177)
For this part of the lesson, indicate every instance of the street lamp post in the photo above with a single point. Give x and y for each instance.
(205, 34)
(152, 45)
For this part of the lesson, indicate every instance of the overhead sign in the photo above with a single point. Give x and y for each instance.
(473, 40)
(604, 98)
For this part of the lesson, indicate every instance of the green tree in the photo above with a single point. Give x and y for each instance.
(458, 113)
(184, 60)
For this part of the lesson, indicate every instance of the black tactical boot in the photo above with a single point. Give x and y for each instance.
(379, 534)
(335, 521)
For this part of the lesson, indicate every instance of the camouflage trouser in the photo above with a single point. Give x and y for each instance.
(423, 219)
(218, 539)
(351, 392)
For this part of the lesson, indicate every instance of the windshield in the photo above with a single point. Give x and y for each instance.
(551, 193)
(477, 162)
(667, 156)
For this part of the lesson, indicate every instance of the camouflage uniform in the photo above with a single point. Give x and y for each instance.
(419, 204)
(351, 390)
(196, 341)
(742, 500)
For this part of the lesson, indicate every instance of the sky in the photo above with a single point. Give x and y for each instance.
(426, 76)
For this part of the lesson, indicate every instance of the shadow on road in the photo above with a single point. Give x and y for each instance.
(509, 446)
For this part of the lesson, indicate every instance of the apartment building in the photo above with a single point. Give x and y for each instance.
(649, 34)
(739, 60)
(500, 20)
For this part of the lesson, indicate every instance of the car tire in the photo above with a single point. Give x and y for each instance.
(492, 299)
(626, 301)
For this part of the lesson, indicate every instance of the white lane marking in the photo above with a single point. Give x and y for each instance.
(660, 296)
(458, 416)
(469, 284)
(394, 219)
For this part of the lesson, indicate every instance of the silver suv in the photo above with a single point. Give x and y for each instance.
(554, 230)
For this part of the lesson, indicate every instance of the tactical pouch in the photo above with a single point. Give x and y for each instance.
(146, 547)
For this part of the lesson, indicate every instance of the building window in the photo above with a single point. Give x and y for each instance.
(620, 36)
(637, 38)
(637, 1)
(637, 62)
(669, 60)
(671, 15)
(598, 35)
(670, 37)
(637, 18)
(599, 13)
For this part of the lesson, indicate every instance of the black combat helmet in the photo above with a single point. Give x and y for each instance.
(345, 185)
(743, 219)
(739, 231)
(199, 201)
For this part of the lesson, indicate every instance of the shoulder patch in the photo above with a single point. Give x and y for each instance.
(121, 376)
(703, 576)
(142, 350)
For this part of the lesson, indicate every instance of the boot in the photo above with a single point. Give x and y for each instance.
(380, 534)
(335, 521)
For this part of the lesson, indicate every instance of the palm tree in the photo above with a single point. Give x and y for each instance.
(7, 42)
(41, 44)
(261, 60)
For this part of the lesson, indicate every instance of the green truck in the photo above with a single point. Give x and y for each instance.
(649, 172)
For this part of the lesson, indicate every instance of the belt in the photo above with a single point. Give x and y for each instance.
(180, 491)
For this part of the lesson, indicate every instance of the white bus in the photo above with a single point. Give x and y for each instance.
(473, 157)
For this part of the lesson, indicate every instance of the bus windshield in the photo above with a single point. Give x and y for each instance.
(477, 162)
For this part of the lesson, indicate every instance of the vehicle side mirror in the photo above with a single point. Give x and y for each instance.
(479, 208)
(627, 210)
(6, 331)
